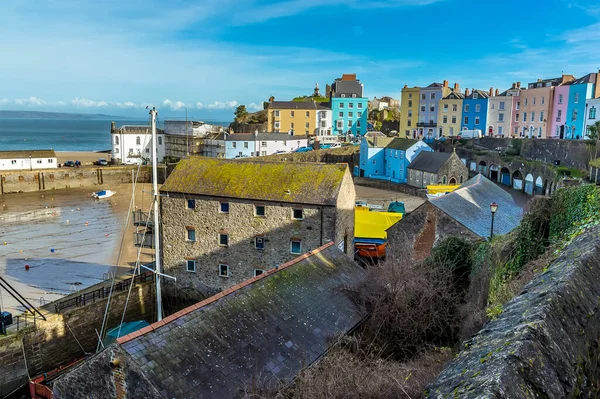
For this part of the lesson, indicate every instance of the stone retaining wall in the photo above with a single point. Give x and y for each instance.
(390, 186)
(544, 344)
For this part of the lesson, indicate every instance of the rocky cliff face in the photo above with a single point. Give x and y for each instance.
(544, 344)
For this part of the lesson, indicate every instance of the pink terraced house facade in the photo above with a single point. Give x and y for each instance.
(559, 111)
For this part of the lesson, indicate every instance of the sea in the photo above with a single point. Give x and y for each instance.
(61, 134)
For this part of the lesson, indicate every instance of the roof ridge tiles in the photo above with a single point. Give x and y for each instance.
(218, 296)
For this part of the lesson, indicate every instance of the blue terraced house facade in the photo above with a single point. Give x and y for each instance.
(475, 110)
(349, 109)
(387, 158)
(580, 91)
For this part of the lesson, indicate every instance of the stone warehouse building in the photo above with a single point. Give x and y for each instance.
(225, 221)
(436, 168)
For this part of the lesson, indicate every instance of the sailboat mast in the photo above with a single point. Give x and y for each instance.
(159, 314)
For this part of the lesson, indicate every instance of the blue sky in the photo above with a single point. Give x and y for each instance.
(117, 56)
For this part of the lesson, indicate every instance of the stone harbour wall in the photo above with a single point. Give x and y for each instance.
(544, 344)
(53, 179)
(13, 372)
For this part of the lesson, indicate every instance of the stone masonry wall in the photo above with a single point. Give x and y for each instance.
(52, 179)
(344, 221)
(390, 186)
(59, 339)
(453, 168)
(544, 344)
(277, 228)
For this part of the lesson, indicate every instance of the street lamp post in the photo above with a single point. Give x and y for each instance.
(493, 209)
(30, 164)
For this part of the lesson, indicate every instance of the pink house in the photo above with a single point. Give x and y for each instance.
(559, 112)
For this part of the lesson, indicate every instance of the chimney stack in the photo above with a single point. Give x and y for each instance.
(456, 87)
(497, 92)
(271, 99)
(491, 91)
(445, 83)
(406, 86)
(466, 92)
(518, 85)
(514, 85)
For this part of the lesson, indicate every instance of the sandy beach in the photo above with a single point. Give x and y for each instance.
(68, 240)
(86, 158)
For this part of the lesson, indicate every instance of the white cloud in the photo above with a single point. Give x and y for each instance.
(199, 105)
(126, 104)
(4, 101)
(222, 105)
(85, 103)
(30, 101)
(174, 105)
(254, 107)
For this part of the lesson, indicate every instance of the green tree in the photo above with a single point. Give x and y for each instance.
(594, 134)
(241, 113)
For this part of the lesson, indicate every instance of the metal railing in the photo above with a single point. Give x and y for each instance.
(144, 240)
(141, 218)
(99, 294)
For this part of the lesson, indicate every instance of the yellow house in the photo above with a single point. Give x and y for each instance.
(450, 113)
(300, 117)
(409, 111)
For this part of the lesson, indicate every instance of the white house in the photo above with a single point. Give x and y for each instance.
(239, 145)
(324, 131)
(27, 160)
(194, 128)
(592, 114)
(131, 144)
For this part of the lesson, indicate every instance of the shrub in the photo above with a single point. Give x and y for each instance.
(574, 209)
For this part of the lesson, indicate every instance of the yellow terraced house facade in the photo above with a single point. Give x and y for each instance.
(409, 110)
(450, 113)
(299, 117)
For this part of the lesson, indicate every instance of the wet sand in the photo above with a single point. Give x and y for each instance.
(48, 232)
(86, 158)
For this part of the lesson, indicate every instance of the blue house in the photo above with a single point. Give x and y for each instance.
(349, 109)
(580, 90)
(475, 109)
(387, 158)
(239, 145)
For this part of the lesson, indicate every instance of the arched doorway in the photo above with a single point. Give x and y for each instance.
(539, 186)
(505, 176)
(482, 168)
(452, 181)
(529, 184)
(517, 180)
(490, 131)
(493, 172)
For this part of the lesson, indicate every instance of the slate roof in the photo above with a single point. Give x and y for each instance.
(434, 85)
(27, 153)
(482, 95)
(401, 144)
(589, 78)
(308, 183)
(470, 206)
(428, 161)
(305, 105)
(454, 95)
(379, 141)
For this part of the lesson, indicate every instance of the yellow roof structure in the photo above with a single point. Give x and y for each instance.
(441, 189)
(373, 224)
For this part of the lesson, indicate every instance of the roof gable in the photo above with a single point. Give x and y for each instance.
(469, 205)
(428, 161)
(293, 105)
(305, 183)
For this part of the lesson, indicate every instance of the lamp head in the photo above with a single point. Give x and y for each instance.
(493, 207)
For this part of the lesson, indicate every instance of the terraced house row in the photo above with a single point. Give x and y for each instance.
(341, 114)
(556, 108)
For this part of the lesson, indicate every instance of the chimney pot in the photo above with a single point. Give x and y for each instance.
(514, 85)
(497, 92)
(466, 92)
(445, 83)
(491, 91)
(518, 85)
(456, 87)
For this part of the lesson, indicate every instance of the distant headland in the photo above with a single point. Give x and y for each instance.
(55, 115)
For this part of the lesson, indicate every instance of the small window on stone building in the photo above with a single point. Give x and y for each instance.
(191, 233)
(224, 207)
(460, 179)
(444, 179)
(223, 270)
(190, 265)
(223, 239)
(191, 204)
(296, 247)
(259, 242)
(297, 214)
(259, 210)
(258, 272)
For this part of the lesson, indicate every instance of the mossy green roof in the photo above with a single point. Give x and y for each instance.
(304, 183)
(401, 144)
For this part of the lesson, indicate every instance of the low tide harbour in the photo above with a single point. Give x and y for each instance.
(57, 242)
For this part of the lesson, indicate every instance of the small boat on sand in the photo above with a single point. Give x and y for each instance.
(103, 194)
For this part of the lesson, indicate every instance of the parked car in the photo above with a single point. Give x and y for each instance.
(304, 149)
(69, 164)
(336, 145)
(325, 146)
(281, 152)
(101, 162)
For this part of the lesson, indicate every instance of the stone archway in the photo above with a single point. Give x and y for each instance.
(482, 168)
(505, 176)
(529, 184)
(452, 181)
(494, 176)
(517, 180)
(539, 186)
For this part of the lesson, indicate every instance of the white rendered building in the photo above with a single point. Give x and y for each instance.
(592, 114)
(27, 160)
(132, 144)
(261, 144)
